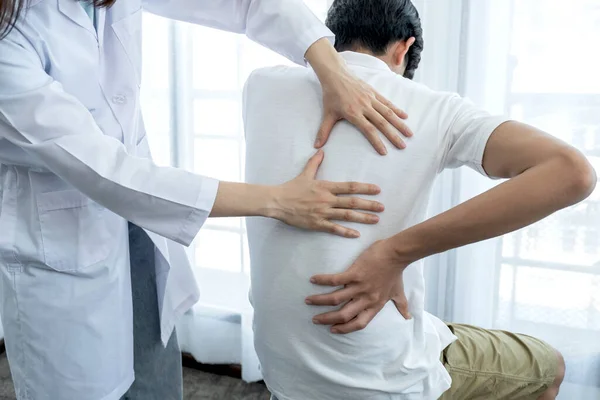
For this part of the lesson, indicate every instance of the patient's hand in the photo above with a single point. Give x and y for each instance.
(373, 280)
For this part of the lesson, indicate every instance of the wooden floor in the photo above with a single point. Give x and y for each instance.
(197, 385)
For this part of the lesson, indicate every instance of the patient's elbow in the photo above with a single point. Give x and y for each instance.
(579, 173)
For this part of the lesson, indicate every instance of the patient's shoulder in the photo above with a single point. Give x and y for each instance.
(278, 74)
(281, 77)
(275, 84)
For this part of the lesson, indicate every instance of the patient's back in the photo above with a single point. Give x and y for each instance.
(392, 358)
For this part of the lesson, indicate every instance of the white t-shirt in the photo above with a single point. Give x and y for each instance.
(392, 358)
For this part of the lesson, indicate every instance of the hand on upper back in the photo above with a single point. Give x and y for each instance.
(307, 203)
(375, 278)
(347, 97)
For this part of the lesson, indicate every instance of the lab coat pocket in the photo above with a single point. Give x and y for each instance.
(74, 230)
(129, 33)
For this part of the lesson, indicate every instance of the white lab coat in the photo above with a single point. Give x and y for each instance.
(75, 167)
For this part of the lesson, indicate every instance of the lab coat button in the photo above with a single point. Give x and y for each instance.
(119, 99)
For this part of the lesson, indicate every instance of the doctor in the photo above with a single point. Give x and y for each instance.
(93, 273)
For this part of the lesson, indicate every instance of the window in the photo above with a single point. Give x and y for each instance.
(535, 61)
(156, 86)
(191, 100)
(550, 272)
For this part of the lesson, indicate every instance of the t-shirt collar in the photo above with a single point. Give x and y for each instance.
(364, 60)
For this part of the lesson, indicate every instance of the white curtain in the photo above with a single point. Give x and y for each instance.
(535, 60)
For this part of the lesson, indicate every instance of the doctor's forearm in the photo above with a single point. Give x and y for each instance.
(324, 59)
(243, 200)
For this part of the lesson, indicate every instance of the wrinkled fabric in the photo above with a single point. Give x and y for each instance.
(75, 166)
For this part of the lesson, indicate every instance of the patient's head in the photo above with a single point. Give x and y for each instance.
(388, 29)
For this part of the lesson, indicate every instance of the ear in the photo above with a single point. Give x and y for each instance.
(402, 49)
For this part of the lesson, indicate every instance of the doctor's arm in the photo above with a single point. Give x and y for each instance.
(53, 127)
(292, 30)
(544, 176)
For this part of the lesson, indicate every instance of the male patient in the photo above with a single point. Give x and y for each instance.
(380, 352)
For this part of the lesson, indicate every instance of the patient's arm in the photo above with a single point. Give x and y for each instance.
(545, 174)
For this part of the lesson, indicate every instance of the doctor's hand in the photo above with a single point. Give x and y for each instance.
(307, 203)
(347, 97)
(375, 278)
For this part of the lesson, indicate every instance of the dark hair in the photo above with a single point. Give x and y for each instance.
(374, 25)
(10, 10)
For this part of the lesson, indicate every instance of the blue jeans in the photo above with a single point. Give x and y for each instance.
(158, 372)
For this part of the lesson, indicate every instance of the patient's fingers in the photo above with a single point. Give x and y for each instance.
(357, 324)
(352, 216)
(336, 298)
(400, 300)
(341, 279)
(342, 316)
(352, 188)
(402, 307)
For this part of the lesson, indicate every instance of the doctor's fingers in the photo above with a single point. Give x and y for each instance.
(335, 229)
(313, 164)
(355, 203)
(337, 214)
(329, 121)
(351, 188)
(386, 128)
(388, 104)
(370, 132)
(391, 117)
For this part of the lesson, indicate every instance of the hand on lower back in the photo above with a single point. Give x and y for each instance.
(374, 279)
(307, 203)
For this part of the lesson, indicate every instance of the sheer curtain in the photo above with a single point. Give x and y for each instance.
(534, 60)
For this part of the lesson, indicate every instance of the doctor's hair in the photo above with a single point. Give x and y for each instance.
(12, 10)
(374, 25)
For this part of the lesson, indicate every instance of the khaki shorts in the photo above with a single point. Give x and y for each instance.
(497, 365)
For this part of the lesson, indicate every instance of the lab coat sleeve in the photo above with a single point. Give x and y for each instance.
(285, 26)
(37, 115)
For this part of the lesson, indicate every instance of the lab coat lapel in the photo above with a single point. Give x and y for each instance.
(100, 21)
(73, 10)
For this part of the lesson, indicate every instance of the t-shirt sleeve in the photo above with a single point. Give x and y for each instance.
(467, 131)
